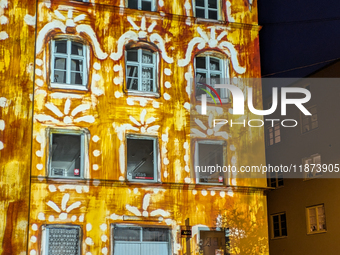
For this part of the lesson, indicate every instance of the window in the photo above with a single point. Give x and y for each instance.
(141, 240)
(279, 225)
(66, 156)
(62, 240)
(316, 219)
(85, 1)
(141, 70)
(276, 179)
(68, 64)
(142, 158)
(145, 5)
(213, 242)
(312, 166)
(210, 70)
(310, 122)
(274, 134)
(207, 9)
(209, 156)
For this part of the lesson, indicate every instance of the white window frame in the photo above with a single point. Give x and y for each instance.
(196, 160)
(313, 159)
(311, 119)
(224, 74)
(207, 9)
(317, 219)
(140, 65)
(275, 131)
(153, 5)
(69, 56)
(45, 234)
(141, 234)
(83, 151)
(155, 157)
(280, 225)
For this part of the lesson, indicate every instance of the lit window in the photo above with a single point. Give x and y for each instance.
(62, 240)
(209, 161)
(141, 70)
(207, 9)
(66, 155)
(310, 122)
(141, 240)
(68, 65)
(210, 70)
(279, 225)
(316, 219)
(142, 158)
(145, 5)
(274, 134)
(312, 166)
(276, 179)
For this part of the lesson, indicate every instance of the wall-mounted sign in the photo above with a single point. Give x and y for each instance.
(186, 233)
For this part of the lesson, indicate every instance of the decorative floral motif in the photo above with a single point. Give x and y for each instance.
(143, 125)
(64, 210)
(210, 130)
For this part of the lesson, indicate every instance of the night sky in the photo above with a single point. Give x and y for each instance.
(297, 33)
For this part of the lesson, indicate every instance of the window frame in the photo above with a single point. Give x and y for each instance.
(271, 129)
(155, 157)
(315, 174)
(119, 225)
(280, 225)
(309, 232)
(225, 69)
(153, 5)
(155, 90)
(196, 160)
(85, 58)
(45, 233)
(310, 120)
(83, 151)
(276, 177)
(206, 10)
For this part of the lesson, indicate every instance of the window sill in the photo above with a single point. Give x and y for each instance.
(317, 232)
(279, 237)
(312, 178)
(211, 183)
(203, 20)
(142, 93)
(68, 87)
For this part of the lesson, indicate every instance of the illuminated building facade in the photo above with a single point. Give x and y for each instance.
(96, 147)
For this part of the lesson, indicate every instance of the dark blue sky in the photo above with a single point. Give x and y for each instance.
(297, 33)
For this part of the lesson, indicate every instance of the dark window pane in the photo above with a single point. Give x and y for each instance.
(60, 63)
(200, 62)
(127, 234)
(60, 47)
(212, 14)
(65, 155)
(59, 76)
(155, 235)
(132, 71)
(146, 5)
(132, 55)
(276, 219)
(210, 155)
(200, 3)
(133, 4)
(140, 159)
(200, 13)
(76, 78)
(276, 233)
(212, 4)
(200, 80)
(77, 49)
(214, 64)
(132, 84)
(76, 65)
(284, 232)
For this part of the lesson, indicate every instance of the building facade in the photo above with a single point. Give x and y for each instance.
(97, 153)
(302, 211)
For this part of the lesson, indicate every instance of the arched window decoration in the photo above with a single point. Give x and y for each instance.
(141, 70)
(68, 62)
(211, 70)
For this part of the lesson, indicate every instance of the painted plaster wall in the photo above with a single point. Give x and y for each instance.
(16, 90)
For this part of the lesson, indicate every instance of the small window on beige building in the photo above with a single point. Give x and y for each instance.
(274, 134)
(279, 225)
(310, 122)
(316, 219)
(312, 166)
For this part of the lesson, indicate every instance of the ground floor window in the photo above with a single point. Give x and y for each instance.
(213, 242)
(62, 240)
(137, 240)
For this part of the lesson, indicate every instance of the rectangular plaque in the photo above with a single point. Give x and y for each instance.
(185, 233)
